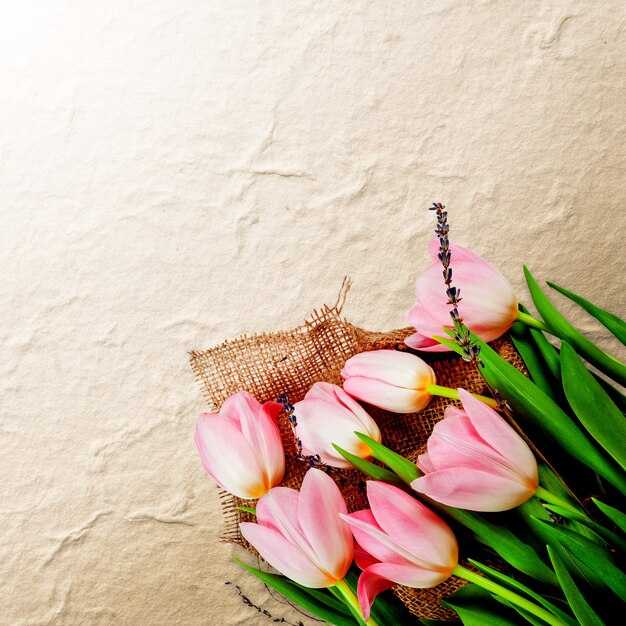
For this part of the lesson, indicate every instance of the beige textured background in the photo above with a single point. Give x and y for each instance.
(175, 173)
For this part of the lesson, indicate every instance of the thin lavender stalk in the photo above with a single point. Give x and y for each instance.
(462, 336)
(312, 460)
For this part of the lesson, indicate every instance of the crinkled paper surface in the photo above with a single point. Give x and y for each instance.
(173, 174)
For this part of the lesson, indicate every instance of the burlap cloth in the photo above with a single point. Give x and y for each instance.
(290, 362)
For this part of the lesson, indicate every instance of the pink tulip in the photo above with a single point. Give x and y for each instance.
(476, 461)
(329, 415)
(488, 305)
(400, 541)
(301, 534)
(241, 448)
(389, 379)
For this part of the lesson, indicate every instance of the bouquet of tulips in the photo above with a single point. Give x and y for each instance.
(532, 478)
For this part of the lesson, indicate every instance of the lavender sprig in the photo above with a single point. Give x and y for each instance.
(311, 460)
(462, 335)
(260, 609)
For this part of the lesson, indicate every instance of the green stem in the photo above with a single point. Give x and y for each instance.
(446, 392)
(353, 603)
(549, 497)
(509, 595)
(531, 321)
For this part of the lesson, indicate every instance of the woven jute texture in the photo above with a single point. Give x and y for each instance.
(269, 364)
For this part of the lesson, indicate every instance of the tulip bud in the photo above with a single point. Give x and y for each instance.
(476, 461)
(301, 534)
(487, 302)
(329, 415)
(241, 447)
(400, 541)
(389, 379)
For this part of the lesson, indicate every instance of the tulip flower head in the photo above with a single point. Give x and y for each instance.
(389, 379)
(241, 447)
(301, 534)
(329, 415)
(487, 305)
(476, 461)
(399, 541)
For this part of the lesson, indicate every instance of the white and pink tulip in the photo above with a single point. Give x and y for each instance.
(389, 379)
(476, 461)
(329, 415)
(488, 304)
(241, 447)
(301, 534)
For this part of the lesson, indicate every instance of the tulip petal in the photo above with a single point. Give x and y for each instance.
(231, 408)
(227, 457)
(412, 525)
(425, 464)
(454, 443)
(284, 556)
(371, 538)
(378, 543)
(259, 428)
(277, 507)
(453, 411)
(400, 369)
(381, 576)
(430, 314)
(488, 304)
(369, 586)
(362, 557)
(365, 420)
(384, 396)
(472, 490)
(500, 436)
(417, 341)
(272, 451)
(322, 423)
(319, 506)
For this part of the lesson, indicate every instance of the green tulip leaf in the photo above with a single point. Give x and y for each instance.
(449, 343)
(549, 480)
(528, 400)
(592, 555)
(314, 601)
(593, 407)
(618, 398)
(404, 468)
(549, 352)
(580, 607)
(616, 516)
(530, 511)
(563, 329)
(528, 617)
(476, 607)
(616, 325)
(490, 532)
(368, 468)
(552, 361)
(246, 509)
(533, 360)
(515, 585)
(607, 535)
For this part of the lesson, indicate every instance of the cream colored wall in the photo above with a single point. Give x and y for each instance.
(175, 173)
